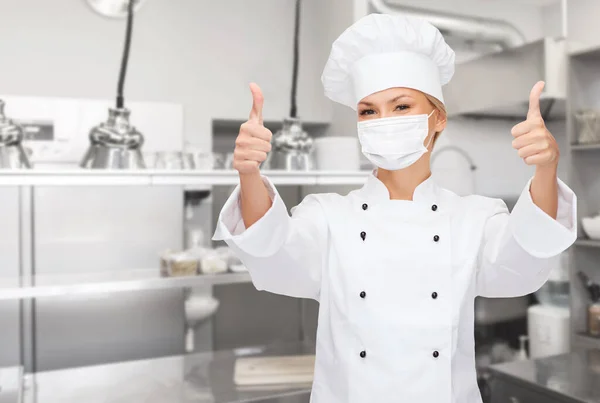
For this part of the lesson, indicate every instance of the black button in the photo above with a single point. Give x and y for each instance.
(436, 354)
(365, 206)
(434, 207)
(436, 238)
(363, 235)
(363, 294)
(363, 354)
(434, 295)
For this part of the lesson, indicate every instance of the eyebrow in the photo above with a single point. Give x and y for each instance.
(391, 101)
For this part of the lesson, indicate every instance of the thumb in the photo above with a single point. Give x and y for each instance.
(257, 104)
(534, 100)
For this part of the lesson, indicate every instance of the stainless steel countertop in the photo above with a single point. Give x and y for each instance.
(198, 378)
(575, 375)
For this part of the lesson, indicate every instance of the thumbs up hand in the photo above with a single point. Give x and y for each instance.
(533, 140)
(254, 139)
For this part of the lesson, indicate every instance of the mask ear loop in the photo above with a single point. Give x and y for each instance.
(431, 139)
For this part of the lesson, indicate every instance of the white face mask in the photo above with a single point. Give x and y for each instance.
(394, 143)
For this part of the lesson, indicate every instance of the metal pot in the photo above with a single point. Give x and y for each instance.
(12, 155)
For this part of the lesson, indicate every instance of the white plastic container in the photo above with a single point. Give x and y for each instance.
(337, 153)
(549, 330)
(556, 290)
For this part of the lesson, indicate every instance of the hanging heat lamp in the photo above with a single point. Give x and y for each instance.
(114, 8)
(12, 155)
(116, 144)
(291, 145)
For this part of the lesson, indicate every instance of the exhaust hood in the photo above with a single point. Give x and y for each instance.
(497, 85)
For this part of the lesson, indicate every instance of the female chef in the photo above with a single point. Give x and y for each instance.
(396, 265)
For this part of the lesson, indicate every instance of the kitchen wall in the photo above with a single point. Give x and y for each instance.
(201, 54)
(583, 27)
(500, 172)
(207, 62)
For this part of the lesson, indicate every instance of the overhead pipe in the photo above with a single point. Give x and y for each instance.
(472, 28)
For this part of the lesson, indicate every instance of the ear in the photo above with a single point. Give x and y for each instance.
(440, 121)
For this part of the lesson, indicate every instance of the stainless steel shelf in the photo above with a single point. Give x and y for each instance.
(190, 178)
(199, 378)
(588, 243)
(591, 53)
(107, 282)
(586, 342)
(585, 147)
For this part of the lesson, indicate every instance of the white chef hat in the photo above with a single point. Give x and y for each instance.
(383, 51)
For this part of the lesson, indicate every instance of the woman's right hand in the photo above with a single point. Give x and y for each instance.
(254, 140)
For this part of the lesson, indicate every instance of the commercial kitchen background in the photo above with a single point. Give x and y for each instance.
(191, 62)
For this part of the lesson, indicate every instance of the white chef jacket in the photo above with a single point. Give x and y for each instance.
(396, 280)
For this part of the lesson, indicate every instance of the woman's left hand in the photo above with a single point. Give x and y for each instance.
(533, 140)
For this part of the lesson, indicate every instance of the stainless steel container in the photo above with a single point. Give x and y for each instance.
(292, 148)
(12, 155)
(115, 144)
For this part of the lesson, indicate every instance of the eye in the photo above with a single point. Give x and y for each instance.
(366, 112)
(402, 107)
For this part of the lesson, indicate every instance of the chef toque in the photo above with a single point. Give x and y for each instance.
(383, 51)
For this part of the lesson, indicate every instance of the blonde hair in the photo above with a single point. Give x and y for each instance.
(439, 105)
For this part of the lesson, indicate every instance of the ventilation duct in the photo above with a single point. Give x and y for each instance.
(469, 28)
(497, 84)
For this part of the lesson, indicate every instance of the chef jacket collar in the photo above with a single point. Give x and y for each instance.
(375, 191)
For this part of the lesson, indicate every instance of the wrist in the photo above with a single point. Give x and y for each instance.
(549, 171)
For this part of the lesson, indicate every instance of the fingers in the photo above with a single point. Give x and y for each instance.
(256, 130)
(537, 148)
(537, 136)
(257, 104)
(249, 155)
(525, 127)
(532, 149)
(254, 140)
(253, 143)
(534, 100)
(534, 142)
(543, 158)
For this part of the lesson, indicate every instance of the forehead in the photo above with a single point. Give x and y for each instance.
(392, 93)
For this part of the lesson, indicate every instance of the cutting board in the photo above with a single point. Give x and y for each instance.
(290, 369)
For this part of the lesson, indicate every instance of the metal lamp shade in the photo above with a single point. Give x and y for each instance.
(115, 144)
(113, 8)
(292, 148)
(12, 155)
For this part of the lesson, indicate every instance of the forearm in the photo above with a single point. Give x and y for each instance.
(544, 189)
(255, 200)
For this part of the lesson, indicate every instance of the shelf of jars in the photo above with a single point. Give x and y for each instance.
(583, 130)
(82, 177)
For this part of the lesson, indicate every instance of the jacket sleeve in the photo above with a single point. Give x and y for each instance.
(518, 250)
(283, 254)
